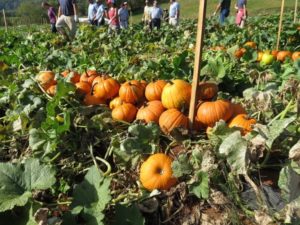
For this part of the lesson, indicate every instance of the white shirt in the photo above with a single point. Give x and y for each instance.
(156, 13)
(91, 11)
(100, 12)
(174, 9)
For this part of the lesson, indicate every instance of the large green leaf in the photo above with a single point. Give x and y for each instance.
(91, 197)
(128, 216)
(181, 166)
(17, 182)
(201, 187)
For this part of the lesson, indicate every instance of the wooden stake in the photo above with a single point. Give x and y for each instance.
(198, 56)
(4, 17)
(280, 25)
(296, 11)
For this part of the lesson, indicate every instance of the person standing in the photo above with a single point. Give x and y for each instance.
(100, 13)
(156, 15)
(91, 12)
(224, 7)
(113, 18)
(174, 13)
(123, 16)
(67, 16)
(147, 14)
(51, 15)
(241, 14)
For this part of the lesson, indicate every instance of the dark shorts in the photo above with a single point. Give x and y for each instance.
(223, 14)
(155, 23)
(53, 28)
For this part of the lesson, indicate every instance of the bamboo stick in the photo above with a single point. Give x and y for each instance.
(280, 25)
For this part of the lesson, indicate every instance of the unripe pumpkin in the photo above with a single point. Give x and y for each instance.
(125, 112)
(243, 122)
(171, 119)
(209, 113)
(131, 93)
(156, 172)
(176, 94)
(46, 79)
(106, 89)
(150, 112)
(154, 90)
(207, 90)
(117, 101)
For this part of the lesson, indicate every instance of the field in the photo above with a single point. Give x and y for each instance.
(96, 132)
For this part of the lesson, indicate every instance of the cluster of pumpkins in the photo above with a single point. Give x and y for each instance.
(162, 102)
(265, 57)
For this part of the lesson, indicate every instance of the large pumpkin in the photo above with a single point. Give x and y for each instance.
(89, 76)
(46, 79)
(83, 87)
(150, 112)
(106, 89)
(131, 93)
(282, 55)
(156, 172)
(243, 122)
(295, 56)
(125, 112)
(209, 113)
(75, 76)
(91, 99)
(176, 94)
(171, 119)
(237, 108)
(154, 89)
(117, 101)
(207, 90)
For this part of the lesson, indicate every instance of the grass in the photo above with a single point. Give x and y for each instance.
(189, 8)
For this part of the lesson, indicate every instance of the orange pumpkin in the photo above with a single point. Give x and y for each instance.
(89, 76)
(207, 90)
(171, 119)
(218, 48)
(150, 112)
(156, 172)
(142, 84)
(106, 89)
(282, 55)
(83, 87)
(75, 76)
(51, 90)
(250, 44)
(274, 53)
(176, 94)
(100, 79)
(125, 112)
(209, 113)
(131, 93)
(243, 122)
(154, 89)
(117, 101)
(46, 79)
(239, 53)
(295, 56)
(259, 56)
(90, 99)
(237, 108)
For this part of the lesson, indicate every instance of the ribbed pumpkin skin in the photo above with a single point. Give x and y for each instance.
(131, 93)
(89, 76)
(51, 90)
(117, 101)
(171, 119)
(211, 112)
(90, 99)
(176, 94)
(125, 112)
(237, 109)
(282, 55)
(46, 79)
(242, 121)
(154, 90)
(295, 56)
(76, 76)
(156, 173)
(207, 90)
(83, 87)
(106, 89)
(150, 112)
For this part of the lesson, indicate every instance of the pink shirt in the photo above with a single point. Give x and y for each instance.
(51, 15)
(113, 12)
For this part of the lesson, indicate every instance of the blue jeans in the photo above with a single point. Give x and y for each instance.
(223, 14)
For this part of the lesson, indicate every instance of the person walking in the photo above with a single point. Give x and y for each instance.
(113, 18)
(123, 16)
(92, 12)
(241, 14)
(147, 14)
(67, 16)
(51, 15)
(156, 15)
(174, 13)
(100, 13)
(224, 7)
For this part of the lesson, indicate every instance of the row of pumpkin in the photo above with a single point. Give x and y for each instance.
(162, 102)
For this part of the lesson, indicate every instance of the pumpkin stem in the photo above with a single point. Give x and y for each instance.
(170, 82)
(92, 89)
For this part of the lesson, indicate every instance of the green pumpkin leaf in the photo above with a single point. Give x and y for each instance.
(201, 187)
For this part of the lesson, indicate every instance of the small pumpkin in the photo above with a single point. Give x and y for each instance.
(282, 55)
(250, 44)
(89, 76)
(117, 101)
(125, 112)
(51, 90)
(172, 118)
(274, 53)
(106, 89)
(154, 90)
(150, 112)
(75, 76)
(131, 93)
(207, 90)
(156, 172)
(243, 122)
(237, 108)
(176, 94)
(100, 79)
(83, 87)
(239, 52)
(90, 99)
(259, 56)
(46, 79)
(209, 113)
(295, 56)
